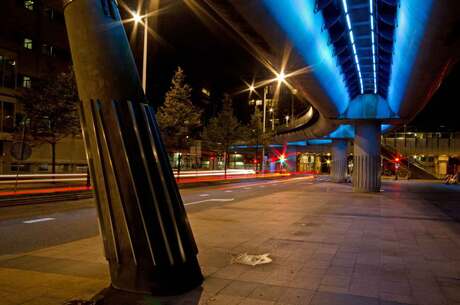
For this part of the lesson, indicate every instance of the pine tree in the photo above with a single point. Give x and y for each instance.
(51, 111)
(224, 130)
(178, 118)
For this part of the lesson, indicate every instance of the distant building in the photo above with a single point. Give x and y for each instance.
(33, 45)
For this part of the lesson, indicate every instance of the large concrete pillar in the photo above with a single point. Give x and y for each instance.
(339, 160)
(147, 238)
(366, 157)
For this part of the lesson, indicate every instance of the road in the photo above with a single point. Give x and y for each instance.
(31, 227)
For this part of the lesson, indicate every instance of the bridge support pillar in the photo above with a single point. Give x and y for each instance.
(339, 161)
(366, 157)
(147, 238)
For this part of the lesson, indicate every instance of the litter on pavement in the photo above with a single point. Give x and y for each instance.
(252, 260)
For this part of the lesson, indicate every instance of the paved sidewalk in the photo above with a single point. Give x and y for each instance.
(329, 247)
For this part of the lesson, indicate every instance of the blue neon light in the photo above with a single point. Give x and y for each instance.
(303, 27)
(352, 40)
(298, 143)
(371, 12)
(385, 127)
(319, 141)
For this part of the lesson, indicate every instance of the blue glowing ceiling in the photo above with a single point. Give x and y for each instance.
(361, 33)
(329, 33)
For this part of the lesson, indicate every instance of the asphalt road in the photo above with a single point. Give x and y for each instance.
(30, 227)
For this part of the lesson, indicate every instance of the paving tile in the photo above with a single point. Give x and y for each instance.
(388, 249)
(295, 296)
(331, 298)
(395, 298)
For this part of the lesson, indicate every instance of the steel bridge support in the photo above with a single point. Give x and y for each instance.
(147, 238)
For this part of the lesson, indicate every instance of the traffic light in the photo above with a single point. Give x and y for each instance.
(282, 158)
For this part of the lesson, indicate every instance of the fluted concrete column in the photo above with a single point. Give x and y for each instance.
(366, 157)
(339, 160)
(147, 238)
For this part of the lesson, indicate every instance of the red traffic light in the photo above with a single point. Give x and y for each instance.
(396, 159)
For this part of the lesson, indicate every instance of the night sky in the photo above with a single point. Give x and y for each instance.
(215, 61)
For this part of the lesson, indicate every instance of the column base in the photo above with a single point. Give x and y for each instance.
(172, 280)
(366, 174)
(338, 171)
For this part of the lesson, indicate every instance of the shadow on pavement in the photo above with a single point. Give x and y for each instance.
(112, 296)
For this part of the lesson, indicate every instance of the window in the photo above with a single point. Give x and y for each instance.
(49, 12)
(14, 167)
(26, 82)
(43, 167)
(7, 72)
(8, 116)
(47, 50)
(29, 4)
(28, 43)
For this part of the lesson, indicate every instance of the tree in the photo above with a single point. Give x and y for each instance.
(255, 133)
(51, 111)
(178, 118)
(224, 129)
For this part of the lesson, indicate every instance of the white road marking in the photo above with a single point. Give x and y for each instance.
(39, 220)
(209, 200)
(247, 188)
(228, 191)
(204, 195)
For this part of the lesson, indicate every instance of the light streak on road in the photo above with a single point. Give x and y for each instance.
(39, 220)
(210, 200)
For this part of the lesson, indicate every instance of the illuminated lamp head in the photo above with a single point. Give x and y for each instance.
(281, 77)
(137, 18)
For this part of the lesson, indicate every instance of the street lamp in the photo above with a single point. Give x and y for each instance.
(273, 118)
(294, 92)
(280, 77)
(287, 120)
(138, 19)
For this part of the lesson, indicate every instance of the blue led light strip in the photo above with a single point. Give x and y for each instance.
(352, 40)
(371, 12)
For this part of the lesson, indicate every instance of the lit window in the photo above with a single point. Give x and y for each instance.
(29, 4)
(28, 43)
(26, 82)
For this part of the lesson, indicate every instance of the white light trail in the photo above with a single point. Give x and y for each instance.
(210, 200)
(39, 220)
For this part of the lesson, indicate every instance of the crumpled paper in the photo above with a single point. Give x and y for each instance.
(252, 260)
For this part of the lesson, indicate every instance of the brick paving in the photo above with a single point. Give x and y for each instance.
(329, 246)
